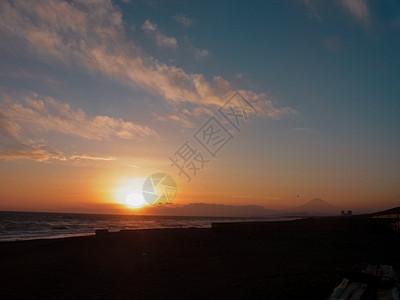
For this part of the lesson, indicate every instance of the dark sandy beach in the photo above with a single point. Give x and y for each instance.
(189, 264)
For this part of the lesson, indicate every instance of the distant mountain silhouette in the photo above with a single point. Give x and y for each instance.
(209, 209)
(318, 206)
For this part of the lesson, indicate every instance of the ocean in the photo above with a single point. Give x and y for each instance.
(16, 226)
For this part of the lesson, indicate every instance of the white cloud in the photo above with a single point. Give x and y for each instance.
(182, 120)
(20, 124)
(34, 153)
(42, 116)
(183, 19)
(313, 8)
(92, 35)
(161, 39)
(184, 117)
(201, 53)
(197, 53)
(43, 153)
(358, 8)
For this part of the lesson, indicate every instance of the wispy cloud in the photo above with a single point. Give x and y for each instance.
(311, 4)
(183, 117)
(44, 154)
(196, 52)
(92, 35)
(24, 125)
(183, 19)
(358, 8)
(161, 39)
(35, 153)
(49, 115)
(201, 53)
(304, 130)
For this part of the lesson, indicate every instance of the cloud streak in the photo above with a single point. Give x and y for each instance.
(358, 8)
(42, 116)
(201, 53)
(44, 154)
(161, 39)
(92, 34)
(21, 123)
(183, 20)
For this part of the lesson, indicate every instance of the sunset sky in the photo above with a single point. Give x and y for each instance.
(95, 96)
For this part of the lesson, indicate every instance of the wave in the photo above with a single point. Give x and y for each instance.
(32, 225)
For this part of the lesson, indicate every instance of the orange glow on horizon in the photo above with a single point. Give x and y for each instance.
(128, 192)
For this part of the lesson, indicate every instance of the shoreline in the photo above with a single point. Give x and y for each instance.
(190, 263)
(251, 225)
(26, 226)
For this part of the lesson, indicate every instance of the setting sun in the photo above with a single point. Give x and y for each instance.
(166, 149)
(135, 200)
(128, 192)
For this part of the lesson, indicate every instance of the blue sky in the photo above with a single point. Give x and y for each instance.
(106, 84)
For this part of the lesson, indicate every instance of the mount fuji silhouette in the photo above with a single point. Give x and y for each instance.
(318, 206)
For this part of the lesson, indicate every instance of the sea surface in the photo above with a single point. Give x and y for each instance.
(34, 225)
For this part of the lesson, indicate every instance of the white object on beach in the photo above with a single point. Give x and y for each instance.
(339, 290)
(359, 292)
(351, 289)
